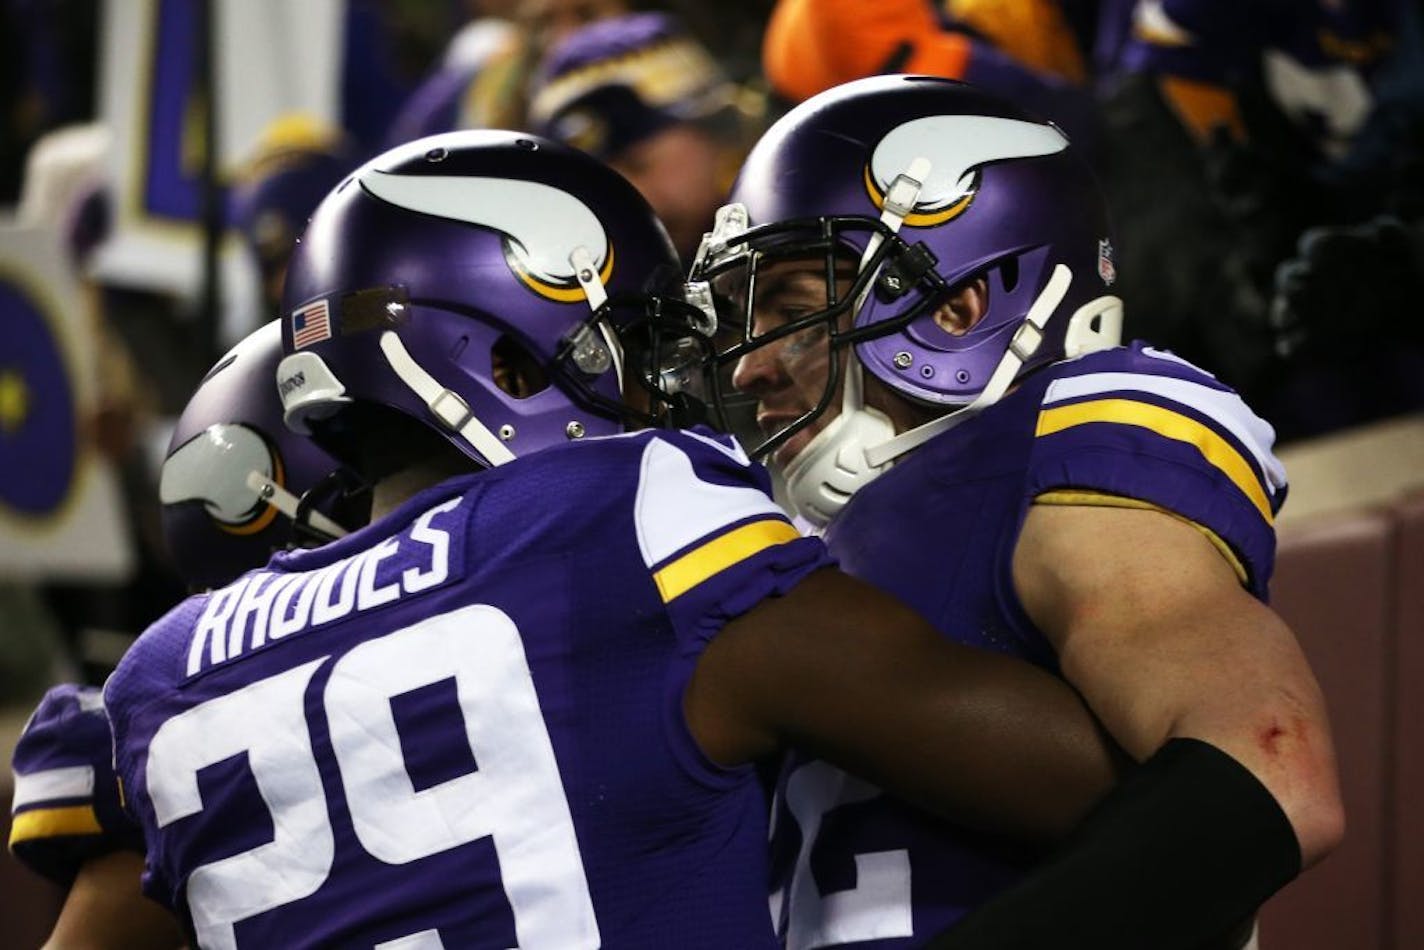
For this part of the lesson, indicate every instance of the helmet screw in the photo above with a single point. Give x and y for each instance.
(962, 376)
(574, 430)
(506, 432)
(903, 360)
(892, 283)
(926, 371)
(268, 490)
(436, 155)
(529, 144)
(585, 276)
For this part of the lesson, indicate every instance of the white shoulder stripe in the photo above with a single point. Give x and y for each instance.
(73, 782)
(1225, 408)
(675, 508)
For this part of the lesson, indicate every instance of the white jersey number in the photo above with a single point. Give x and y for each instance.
(878, 907)
(516, 797)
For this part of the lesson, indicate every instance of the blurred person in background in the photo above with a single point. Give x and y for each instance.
(1028, 51)
(297, 162)
(65, 190)
(1233, 130)
(643, 95)
(482, 80)
(62, 184)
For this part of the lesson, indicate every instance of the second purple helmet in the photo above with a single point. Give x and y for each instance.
(438, 262)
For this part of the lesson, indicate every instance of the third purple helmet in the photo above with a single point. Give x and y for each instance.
(916, 184)
(237, 485)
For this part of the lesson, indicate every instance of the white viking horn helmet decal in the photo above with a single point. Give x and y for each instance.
(542, 225)
(957, 146)
(213, 467)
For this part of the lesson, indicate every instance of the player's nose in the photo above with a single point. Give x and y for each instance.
(759, 370)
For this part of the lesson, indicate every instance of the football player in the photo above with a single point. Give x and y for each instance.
(236, 486)
(68, 824)
(522, 706)
(919, 281)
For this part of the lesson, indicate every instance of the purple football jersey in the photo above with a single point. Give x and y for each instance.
(67, 806)
(462, 726)
(1128, 426)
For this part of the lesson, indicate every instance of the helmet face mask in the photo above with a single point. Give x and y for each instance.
(484, 240)
(743, 275)
(665, 349)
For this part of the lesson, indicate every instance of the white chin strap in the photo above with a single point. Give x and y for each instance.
(446, 405)
(287, 503)
(833, 466)
(1097, 325)
(1022, 346)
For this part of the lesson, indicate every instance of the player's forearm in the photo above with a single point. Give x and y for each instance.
(105, 910)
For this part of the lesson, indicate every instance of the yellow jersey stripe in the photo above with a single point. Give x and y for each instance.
(1105, 500)
(697, 565)
(1168, 424)
(54, 823)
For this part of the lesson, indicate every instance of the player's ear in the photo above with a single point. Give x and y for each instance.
(965, 306)
(515, 370)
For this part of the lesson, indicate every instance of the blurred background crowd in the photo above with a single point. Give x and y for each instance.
(1264, 160)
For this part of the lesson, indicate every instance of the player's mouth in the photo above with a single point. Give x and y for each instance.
(772, 423)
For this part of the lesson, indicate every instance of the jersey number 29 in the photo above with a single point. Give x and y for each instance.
(516, 796)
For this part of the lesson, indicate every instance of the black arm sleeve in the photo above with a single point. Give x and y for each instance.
(1189, 845)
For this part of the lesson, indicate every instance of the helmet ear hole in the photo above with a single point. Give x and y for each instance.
(515, 370)
(1009, 274)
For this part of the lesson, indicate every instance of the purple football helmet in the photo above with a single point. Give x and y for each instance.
(236, 484)
(914, 185)
(433, 259)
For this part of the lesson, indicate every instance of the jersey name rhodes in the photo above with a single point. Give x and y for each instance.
(266, 606)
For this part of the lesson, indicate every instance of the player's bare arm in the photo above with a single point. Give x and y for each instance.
(105, 910)
(1152, 625)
